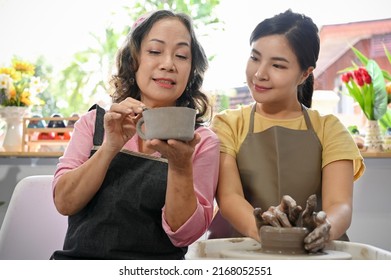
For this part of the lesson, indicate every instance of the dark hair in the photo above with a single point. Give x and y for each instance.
(123, 83)
(302, 35)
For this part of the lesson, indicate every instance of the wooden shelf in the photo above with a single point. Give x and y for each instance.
(386, 154)
(54, 129)
(31, 154)
(32, 145)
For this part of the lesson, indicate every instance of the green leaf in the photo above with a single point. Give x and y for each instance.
(348, 69)
(355, 92)
(360, 56)
(385, 121)
(388, 54)
(379, 90)
(386, 74)
(368, 101)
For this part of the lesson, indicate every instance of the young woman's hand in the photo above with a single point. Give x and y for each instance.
(286, 214)
(318, 226)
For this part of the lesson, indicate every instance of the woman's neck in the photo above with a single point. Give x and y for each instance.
(279, 112)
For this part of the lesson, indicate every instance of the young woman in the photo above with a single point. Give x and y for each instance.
(132, 199)
(277, 148)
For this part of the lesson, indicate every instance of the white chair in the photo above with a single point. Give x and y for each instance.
(32, 228)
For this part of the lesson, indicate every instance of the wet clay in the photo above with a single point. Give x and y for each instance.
(283, 240)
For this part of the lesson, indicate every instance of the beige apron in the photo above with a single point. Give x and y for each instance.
(280, 161)
(273, 163)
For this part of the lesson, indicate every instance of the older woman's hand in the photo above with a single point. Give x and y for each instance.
(120, 122)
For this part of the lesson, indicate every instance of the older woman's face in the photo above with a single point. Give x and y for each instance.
(164, 63)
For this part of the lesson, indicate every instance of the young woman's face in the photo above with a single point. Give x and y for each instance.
(273, 72)
(164, 63)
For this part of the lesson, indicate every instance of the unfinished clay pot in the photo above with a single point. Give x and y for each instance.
(280, 240)
(167, 123)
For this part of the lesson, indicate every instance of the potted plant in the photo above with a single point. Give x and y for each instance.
(366, 85)
(19, 89)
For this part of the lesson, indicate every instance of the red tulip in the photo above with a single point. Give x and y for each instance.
(367, 78)
(358, 78)
(346, 77)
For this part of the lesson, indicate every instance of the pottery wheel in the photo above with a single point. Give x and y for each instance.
(259, 255)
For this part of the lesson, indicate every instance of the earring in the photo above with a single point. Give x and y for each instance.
(131, 81)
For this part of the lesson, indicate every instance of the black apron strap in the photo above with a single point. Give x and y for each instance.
(99, 129)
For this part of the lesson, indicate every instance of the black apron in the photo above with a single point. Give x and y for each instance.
(123, 220)
(275, 162)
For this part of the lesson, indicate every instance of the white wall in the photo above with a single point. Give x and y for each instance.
(372, 205)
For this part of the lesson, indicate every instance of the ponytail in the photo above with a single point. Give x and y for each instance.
(305, 91)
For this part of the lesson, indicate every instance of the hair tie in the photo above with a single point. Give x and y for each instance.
(141, 19)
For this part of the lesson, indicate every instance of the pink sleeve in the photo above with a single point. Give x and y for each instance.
(79, 147)
(206, 170)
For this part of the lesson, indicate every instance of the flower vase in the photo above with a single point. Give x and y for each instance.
(373, 137)
(13, 117)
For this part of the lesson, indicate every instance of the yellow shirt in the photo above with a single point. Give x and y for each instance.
(232, 126)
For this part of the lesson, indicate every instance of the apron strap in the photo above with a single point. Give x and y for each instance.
(251, 125)
(99, 129)
(307, 118)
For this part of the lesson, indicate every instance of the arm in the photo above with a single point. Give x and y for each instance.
(76, 187)
(230, 198)
(181, 200)
(337, 195)
(336, 215)
(184, 224)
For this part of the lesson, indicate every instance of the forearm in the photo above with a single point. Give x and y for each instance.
(339, 217)
(76, 187)
(241, 216)
(337, 196)
(181, 201)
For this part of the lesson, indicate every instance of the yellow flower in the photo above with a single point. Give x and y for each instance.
(25, 97)
(16, 76)
(12, 92)
(388, 87)
(24, 67)
(19, 86)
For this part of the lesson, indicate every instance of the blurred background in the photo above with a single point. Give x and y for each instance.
(73, 42)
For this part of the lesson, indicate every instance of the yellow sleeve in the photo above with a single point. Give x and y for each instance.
(338, 143)
(231, 126)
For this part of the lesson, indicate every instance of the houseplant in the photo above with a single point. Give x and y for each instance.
(366, 85)
(19, 89)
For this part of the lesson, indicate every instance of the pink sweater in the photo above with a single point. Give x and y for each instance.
(205, 170)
